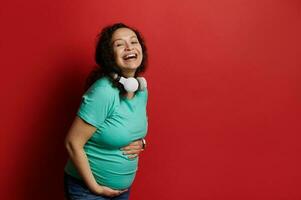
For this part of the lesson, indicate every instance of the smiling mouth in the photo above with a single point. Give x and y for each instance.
(131, 56)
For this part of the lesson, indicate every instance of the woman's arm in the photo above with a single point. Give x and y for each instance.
(78, 135)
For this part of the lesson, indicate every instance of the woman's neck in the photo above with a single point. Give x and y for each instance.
(128, 74)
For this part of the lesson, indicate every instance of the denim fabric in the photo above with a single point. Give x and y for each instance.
(76, 189)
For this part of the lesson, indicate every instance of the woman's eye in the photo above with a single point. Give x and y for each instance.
(134, 42)
(119, 45)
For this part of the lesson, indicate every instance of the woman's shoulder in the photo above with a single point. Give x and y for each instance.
(103, 85)
(103, 82)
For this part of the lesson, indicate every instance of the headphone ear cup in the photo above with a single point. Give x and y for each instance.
(142, 83)
(129, 84)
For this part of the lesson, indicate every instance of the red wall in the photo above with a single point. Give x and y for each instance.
(224, 86)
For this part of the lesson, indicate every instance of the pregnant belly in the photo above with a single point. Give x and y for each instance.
(112, 169)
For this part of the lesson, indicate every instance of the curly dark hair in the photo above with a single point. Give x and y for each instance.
(104, 56)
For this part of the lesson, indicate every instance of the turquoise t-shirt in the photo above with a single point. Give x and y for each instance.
(118, 121)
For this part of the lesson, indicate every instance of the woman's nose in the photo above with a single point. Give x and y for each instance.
(128, 46)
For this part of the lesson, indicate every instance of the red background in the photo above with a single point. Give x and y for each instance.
(224, 95)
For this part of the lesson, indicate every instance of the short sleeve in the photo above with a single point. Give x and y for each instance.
(96, 105)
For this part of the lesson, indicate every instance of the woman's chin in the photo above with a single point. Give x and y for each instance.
(130, 67)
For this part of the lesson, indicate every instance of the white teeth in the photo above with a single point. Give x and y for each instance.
(130, 55)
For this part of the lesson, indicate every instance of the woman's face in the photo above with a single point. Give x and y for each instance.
(127, 50)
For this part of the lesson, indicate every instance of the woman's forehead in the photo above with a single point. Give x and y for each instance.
(123, 33)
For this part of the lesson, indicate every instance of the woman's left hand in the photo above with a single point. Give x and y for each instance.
(133, 149)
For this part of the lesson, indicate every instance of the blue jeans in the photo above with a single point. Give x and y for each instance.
(76, 189)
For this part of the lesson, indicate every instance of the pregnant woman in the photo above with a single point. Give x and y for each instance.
(106, 136)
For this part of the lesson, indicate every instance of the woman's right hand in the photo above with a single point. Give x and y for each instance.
(106, 191)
